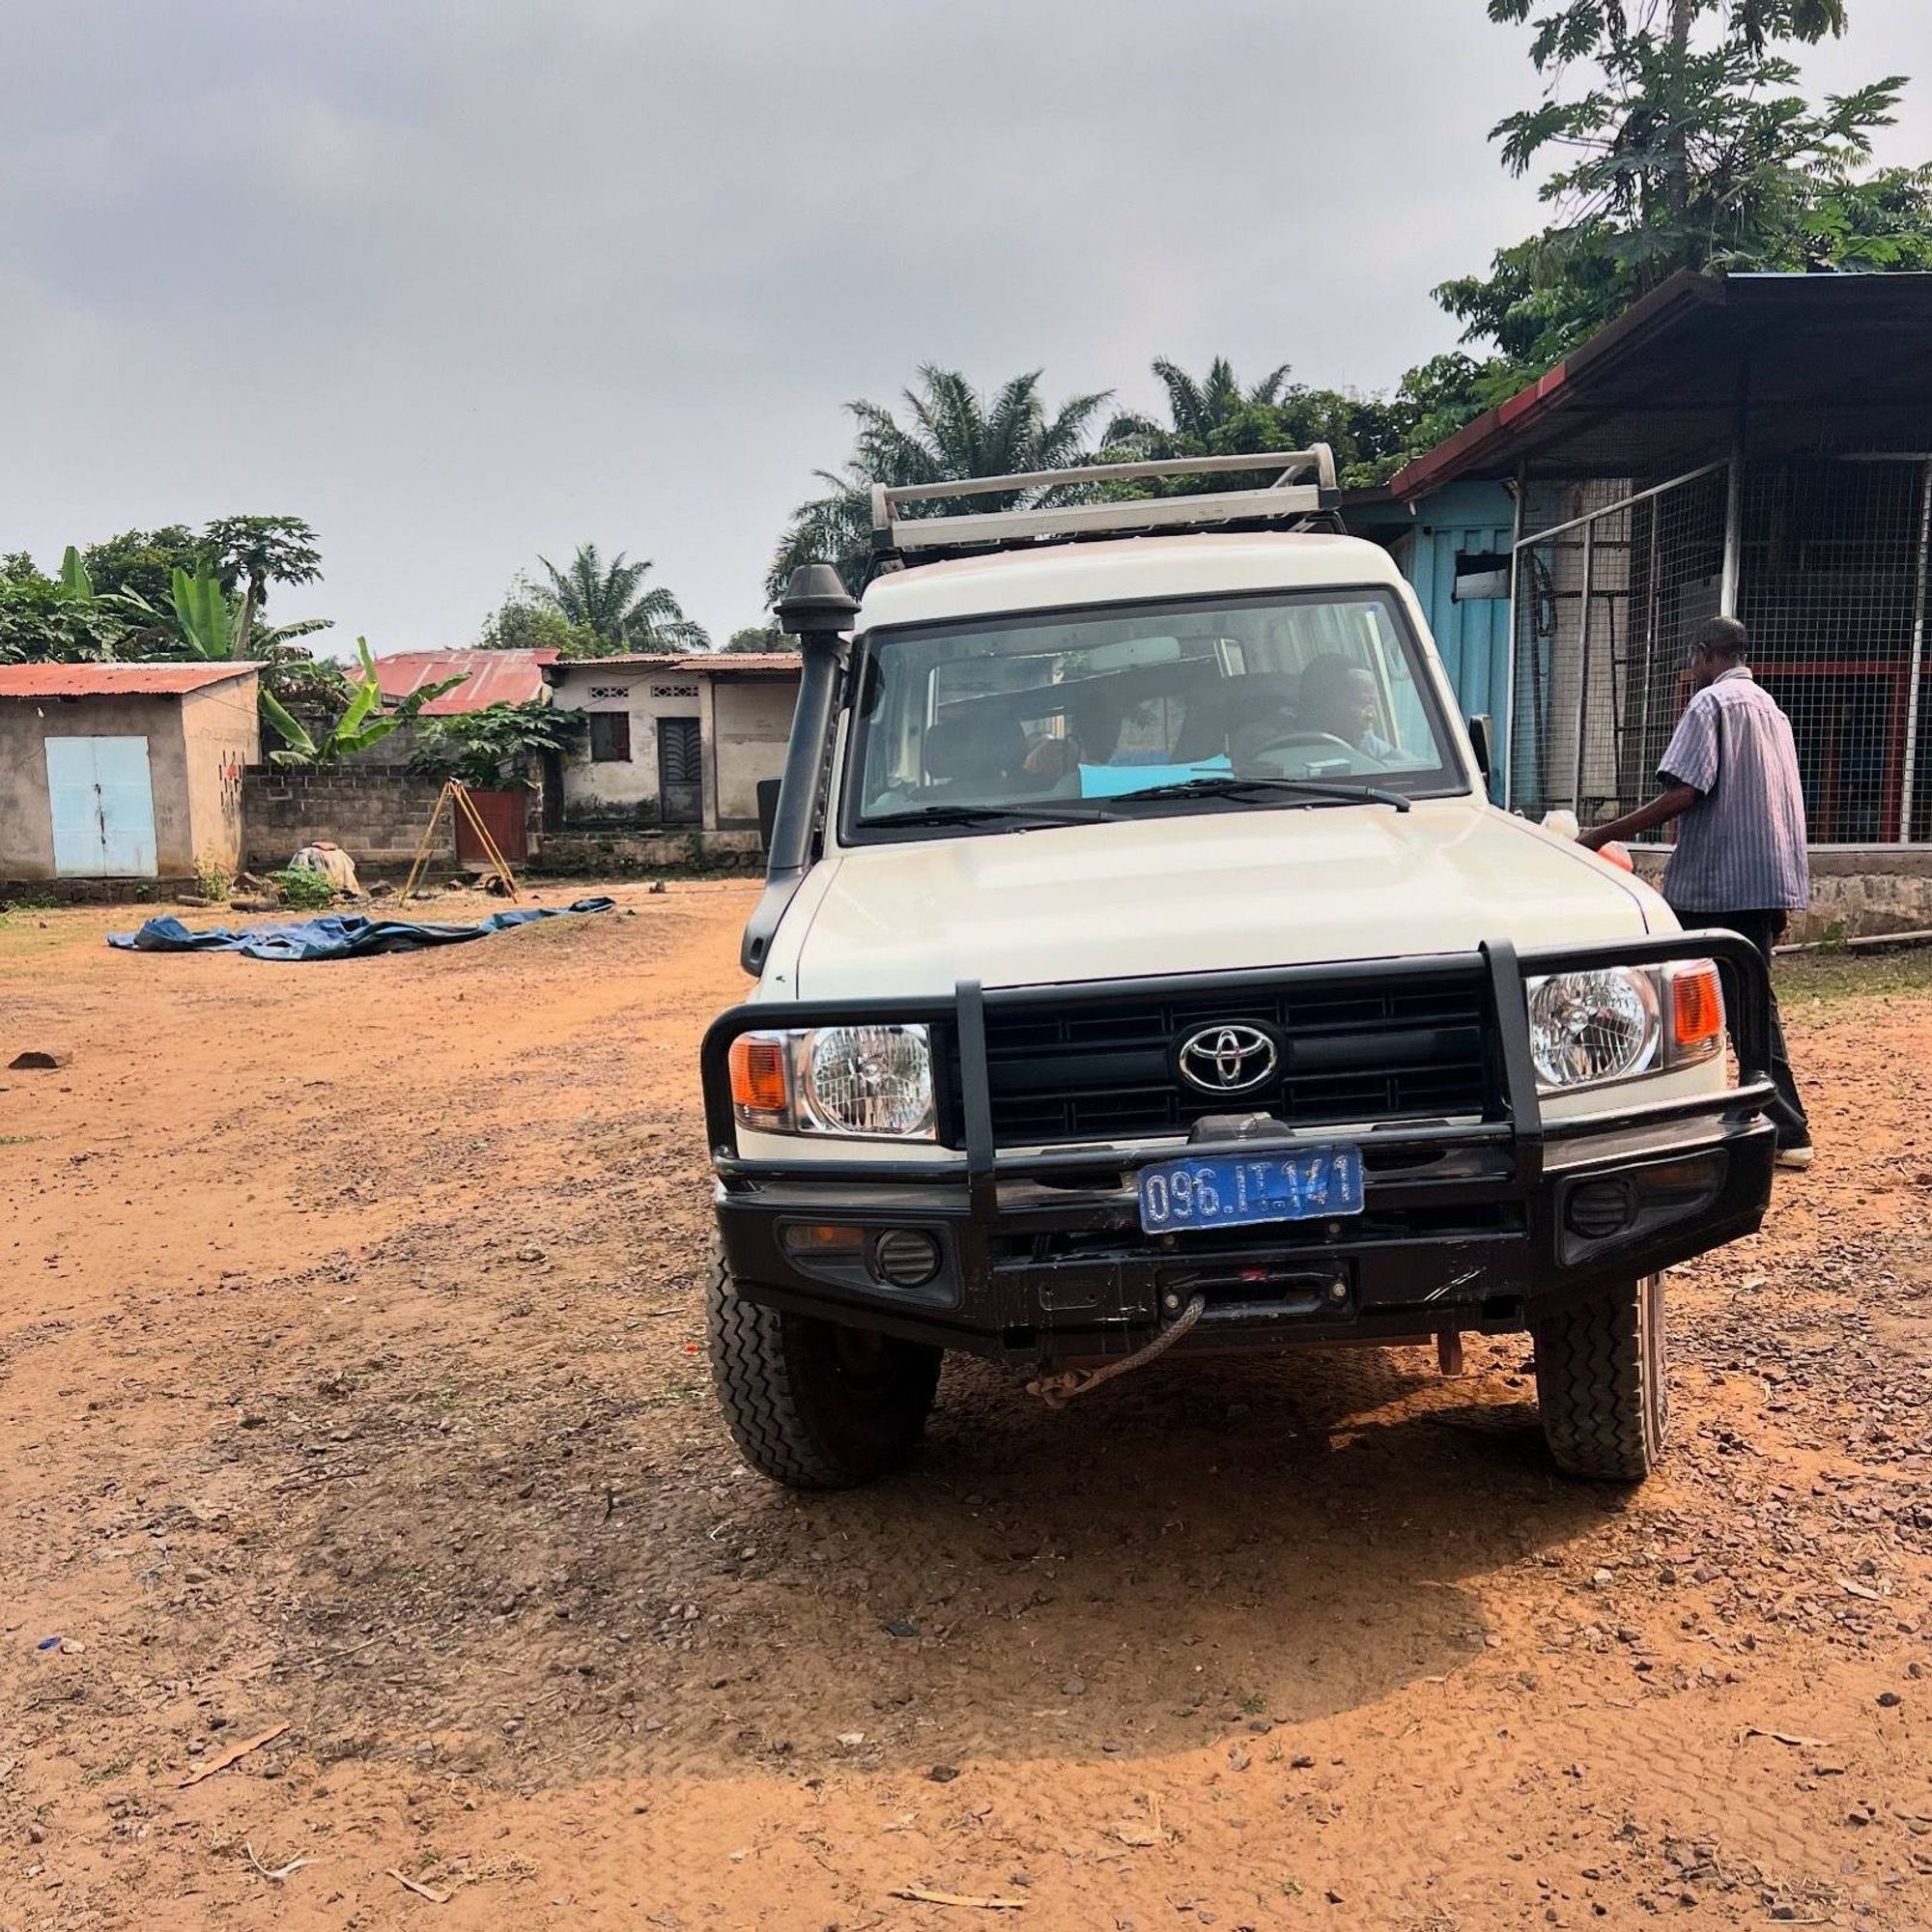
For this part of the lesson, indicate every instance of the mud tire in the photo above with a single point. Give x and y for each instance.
(811, 1404)
(1602, 1382)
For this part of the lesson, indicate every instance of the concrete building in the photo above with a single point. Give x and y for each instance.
(1759, 445)
(674, 749)
(124, 772)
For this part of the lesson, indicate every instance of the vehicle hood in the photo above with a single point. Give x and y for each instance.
(1204, 892)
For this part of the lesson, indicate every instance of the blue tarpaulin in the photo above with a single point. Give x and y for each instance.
(334, 936)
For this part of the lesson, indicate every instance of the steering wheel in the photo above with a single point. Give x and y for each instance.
(1288, 740)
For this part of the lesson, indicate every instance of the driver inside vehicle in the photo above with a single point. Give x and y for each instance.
(1340, 700)
(1091, 737)
(973, 756)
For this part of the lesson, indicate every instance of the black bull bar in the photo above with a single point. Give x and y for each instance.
(1512, 1159)
(1746, 1002)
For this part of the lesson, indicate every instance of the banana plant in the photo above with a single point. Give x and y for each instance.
(200, 613)
(361, 725)
(75, 582)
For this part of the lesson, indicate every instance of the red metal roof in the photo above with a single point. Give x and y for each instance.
(768, 662)
(490, 677)
(115, 680)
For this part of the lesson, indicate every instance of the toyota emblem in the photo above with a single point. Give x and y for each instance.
(1230, 1057)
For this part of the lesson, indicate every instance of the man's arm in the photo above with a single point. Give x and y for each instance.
(1660, 810)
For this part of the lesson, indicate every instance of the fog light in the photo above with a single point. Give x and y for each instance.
(1599, 1209)
(904, 1257)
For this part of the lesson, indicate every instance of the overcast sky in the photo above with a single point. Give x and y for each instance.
(464, 282)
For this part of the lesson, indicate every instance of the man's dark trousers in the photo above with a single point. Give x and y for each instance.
(1764, 929)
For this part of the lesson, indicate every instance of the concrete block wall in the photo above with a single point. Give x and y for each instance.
(374, 812)
(1854, 894)
(614, 854)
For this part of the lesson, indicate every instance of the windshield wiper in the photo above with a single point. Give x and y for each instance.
(1023, 815)
(1230, 786)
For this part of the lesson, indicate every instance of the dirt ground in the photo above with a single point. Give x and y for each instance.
(352, 1399)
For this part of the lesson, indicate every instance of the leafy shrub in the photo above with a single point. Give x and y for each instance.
(495, 746)
(302, 890)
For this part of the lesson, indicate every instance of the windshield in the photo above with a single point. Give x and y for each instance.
(1142, 708)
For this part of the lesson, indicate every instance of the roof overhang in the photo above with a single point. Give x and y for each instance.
(1778, 365)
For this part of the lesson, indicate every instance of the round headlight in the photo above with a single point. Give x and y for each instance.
(870, 1080)
(1588, 1026)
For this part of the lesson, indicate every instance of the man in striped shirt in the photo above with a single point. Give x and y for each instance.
(1738, 861)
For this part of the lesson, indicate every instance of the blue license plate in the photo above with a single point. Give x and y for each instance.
(1238, 1190)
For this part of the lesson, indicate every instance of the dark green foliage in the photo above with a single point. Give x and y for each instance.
(1681, 141)
(1216, 416)
(608, 602)
(40, 619)
(167, 592)
(758, 637)
(301, 889)
(143, 561)
(524, 622)
(498, 746)
(360, 722)
(953, 432)
(254, 553)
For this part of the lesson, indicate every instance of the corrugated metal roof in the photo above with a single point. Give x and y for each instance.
(768, 662)
(115, 680)
(490, 677)
(1705, 362)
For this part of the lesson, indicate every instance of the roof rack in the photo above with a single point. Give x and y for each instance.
(1287, 500)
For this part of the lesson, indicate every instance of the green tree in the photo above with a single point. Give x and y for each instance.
(254, 553)
(41, 617)
(525, 623)
(144, 561)
(610, 601)
(497, 746)
(1198, 411)
(1681, 142)
(953, 432)
(758, 637)
(1217, 415)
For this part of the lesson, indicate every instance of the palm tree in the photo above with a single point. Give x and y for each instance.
(953, 433)
(608, 600)
(1197, 409)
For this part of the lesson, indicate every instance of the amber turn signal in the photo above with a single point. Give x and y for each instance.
(1696, 1010)
(758, 1083)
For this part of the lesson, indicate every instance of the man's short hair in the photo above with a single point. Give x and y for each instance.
(1725, 637)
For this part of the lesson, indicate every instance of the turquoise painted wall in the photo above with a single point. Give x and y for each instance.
(1474, 636)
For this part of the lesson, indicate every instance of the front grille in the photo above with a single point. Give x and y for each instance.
(1385, 1047)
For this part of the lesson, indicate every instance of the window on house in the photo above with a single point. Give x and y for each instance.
(610, 737)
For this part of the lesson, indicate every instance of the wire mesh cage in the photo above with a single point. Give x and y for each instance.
(1829, 560)
(1607, 605)
(1831, 568)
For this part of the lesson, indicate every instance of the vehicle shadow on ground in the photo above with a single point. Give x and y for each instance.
(1209, 1550)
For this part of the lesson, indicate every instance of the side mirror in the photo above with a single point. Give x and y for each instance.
(1480, 727)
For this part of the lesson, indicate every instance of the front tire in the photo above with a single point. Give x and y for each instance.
(1602, 1381)
(811, 1404)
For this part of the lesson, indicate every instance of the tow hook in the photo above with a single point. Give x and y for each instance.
(1057, 1391)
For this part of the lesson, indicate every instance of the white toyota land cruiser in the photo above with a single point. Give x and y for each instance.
(1143, 967)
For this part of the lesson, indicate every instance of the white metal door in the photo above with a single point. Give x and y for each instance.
(100, 796)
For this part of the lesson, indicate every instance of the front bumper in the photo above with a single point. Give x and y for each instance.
(1465, 1225)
